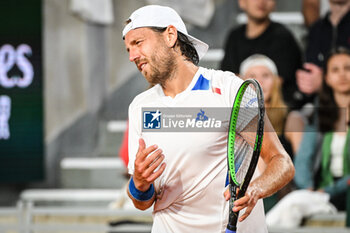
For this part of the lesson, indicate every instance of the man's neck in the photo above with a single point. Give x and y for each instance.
(255, 28)
(337, 12)
(180, 79)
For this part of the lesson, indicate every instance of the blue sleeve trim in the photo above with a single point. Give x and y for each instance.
(139, 195)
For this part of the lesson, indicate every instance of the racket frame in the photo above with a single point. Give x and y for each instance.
(233, 183)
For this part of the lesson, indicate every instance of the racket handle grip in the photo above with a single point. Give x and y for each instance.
(230, 229)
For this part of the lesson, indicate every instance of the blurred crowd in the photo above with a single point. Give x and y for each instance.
(307, 96)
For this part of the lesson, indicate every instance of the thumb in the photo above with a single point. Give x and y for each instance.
(142, 144)
(227, 194)
(310, 66)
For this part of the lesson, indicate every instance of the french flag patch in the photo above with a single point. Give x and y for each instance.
(216, 90)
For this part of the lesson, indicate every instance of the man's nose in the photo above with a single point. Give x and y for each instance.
(133, 55)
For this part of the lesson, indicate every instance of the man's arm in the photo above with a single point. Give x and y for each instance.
(280, 168)
(148, 167)
(309, 79)
(140, 204)
(279, 171)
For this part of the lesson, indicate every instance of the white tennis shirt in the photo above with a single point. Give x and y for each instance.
(190, 190)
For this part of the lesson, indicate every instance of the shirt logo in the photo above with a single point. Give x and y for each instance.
(152, 119)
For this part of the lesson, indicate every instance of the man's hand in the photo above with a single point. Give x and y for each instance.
(248, 201)
(146, 163)
(309, 80)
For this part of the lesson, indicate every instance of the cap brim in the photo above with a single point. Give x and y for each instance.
(200, 46)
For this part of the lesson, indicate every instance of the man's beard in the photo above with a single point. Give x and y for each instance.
(161, 69)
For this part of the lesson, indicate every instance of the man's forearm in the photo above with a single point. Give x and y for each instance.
(279, 172)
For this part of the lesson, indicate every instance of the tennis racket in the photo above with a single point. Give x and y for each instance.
(244, 142)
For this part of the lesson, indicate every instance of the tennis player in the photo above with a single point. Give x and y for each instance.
(182, 175)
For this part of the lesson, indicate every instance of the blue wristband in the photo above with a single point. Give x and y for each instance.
(139, 195)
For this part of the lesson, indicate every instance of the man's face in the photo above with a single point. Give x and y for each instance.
(148, 50)
(258, 10)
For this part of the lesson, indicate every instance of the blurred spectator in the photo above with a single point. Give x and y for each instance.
(261, 35)
(323, 161)
(288, 126)
(327, 33)
(313, 9)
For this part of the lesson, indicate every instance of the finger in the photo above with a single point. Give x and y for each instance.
(239, 207)
(243, 200)
(227, 194)
(301, 75)
(313, 68)
(151, 158)
(306, 89)
(154, 165)
(308, 66)
(142, 144)
(145, 163)
(142, 154)
(240, 204)
(243, 217)
(246, 213)
(156, 174)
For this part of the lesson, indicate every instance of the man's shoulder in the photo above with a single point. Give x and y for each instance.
(214, 74)
(145, 97)
(321, 25)
(280, 30)
(219, 78)
(237, 31)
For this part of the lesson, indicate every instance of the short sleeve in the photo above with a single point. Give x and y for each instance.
(134, 135)
(231, 84)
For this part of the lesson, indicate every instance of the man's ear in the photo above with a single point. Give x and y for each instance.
(170, 36)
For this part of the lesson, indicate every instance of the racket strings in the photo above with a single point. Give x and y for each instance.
(246, 132)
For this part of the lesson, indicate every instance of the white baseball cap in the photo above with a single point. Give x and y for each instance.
(162, 16)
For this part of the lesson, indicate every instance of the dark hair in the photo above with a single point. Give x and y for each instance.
(186, 46)
(328, 110)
